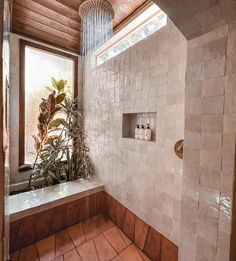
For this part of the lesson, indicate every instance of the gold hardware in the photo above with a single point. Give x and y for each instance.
(179, 148)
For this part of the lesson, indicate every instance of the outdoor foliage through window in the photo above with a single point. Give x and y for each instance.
(40, 66)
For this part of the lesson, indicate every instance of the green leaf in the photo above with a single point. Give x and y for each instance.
(60, 85)
(64, 123)
(60, 98)
(55, 123)
(51, 138)
(54, 82)
(49, 89)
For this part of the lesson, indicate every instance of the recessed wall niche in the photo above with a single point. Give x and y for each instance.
(130, 121)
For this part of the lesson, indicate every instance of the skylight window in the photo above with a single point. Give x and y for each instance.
(150, 21)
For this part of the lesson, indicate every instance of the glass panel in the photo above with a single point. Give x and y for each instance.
(40, 66)
(151, 26)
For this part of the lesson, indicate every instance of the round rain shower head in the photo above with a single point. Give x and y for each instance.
(95, 5)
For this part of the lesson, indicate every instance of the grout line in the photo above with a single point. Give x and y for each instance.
(92, 239)
(83, 232)
(37, 251)
(122, 237)
(54, 245)
(110, 244)
(70, 237)
(96, 249)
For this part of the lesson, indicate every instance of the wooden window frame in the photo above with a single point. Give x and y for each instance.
(23, 45)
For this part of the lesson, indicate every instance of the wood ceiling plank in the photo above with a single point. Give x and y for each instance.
(71, 3)
(59, 19)
(123, 9)
(40, 9)
(44, 28)
(20, 11)
(60, 9)
(37, 34)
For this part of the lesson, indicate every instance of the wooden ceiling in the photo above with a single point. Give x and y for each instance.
(57, 22)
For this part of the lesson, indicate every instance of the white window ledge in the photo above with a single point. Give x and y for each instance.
(35, 201)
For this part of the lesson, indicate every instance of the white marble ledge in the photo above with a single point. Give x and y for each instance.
(28, 203)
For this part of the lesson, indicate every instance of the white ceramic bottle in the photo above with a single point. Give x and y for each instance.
(142, 133)
(137, 130)
(148, 133)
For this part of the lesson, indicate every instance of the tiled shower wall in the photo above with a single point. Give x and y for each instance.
(210, 127)
(144, 176)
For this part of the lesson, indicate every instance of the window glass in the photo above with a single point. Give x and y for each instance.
(40, 66)
(151, 25)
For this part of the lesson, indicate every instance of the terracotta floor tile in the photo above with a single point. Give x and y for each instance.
(120, 214)
(29, 254)
(169, 251)
(63, 243)
(103, 223)
(77, 234)
(14, 228)
(131, 253)
(100, 246)
(126, 239)
(116, 258)
(59, 258)
(111, 205)
(90, 229)
(88, 252)
(46, 248)
(26, 233)
(152, 246)
(14, 256)
(113, 235)
(72, 255)
(104, 249)
(128, 226)
(43, 223)
(140, 233)
(58, 219)
(145, 258)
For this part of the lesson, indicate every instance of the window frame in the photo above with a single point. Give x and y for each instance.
(23, 45)
(123, 33)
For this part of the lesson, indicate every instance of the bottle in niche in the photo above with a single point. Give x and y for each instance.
(137, 130)
(148, 133)
(142, 133)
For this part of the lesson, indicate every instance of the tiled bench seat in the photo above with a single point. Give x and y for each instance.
(31, 225)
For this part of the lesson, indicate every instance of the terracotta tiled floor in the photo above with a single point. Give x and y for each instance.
(92, 240)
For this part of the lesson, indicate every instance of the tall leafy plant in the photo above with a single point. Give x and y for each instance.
(60, 144)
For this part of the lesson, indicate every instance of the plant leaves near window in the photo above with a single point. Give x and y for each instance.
(60, 143)
(60, 98)
(51, 103)
(42, 118)
(60, 85)
(50, 139)
(55, 123)
(54, 82)
(49, 89)
(37, 144)
(41, 129)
